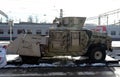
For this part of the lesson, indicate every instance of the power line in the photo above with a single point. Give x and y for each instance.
(107, 14)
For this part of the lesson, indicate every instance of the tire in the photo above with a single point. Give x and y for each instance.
(98, 54)
(29, 59)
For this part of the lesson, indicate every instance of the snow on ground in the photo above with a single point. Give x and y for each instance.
(116, 53)
(2, 43)
(115, 43)
(11, 57)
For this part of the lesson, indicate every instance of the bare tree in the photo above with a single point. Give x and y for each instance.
(30, 19)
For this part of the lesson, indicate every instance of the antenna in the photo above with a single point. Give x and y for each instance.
(61, 16)
(61, 13)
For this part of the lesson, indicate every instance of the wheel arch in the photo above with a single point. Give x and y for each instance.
(98, 45)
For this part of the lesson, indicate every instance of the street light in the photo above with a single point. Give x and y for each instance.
(11, 24)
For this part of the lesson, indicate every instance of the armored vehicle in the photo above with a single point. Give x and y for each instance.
(67, 39)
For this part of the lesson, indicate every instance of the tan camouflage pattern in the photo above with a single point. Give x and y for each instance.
(101, 38)
(67, 42)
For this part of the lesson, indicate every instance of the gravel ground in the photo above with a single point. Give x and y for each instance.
(59, 72)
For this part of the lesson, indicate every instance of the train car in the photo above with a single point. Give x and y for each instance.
(18, 28)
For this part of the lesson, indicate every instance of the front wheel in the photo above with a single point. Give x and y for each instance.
(97, 54)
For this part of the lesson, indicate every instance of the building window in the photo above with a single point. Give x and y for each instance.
(9, 31)
(1, 31)
(19, 31)
(38, 32)
(113, 32)
(47, 32)
(119, 33)
(29, 31)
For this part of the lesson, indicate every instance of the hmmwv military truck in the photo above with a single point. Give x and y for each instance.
(67, 39)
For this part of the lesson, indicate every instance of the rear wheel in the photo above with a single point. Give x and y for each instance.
(30, 59)
(97, 54)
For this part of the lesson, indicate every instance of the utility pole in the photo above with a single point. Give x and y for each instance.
(99, 20)
(107, 20)
(61, 16)
(11, 24)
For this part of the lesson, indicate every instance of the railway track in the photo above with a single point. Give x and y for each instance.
(58, 72)
(48, 70)
(58, 68)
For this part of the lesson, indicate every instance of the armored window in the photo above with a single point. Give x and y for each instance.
(19, 31)
(38, 32)
(1, 31)
(113, 32)
(75, 35)
(9, 31)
